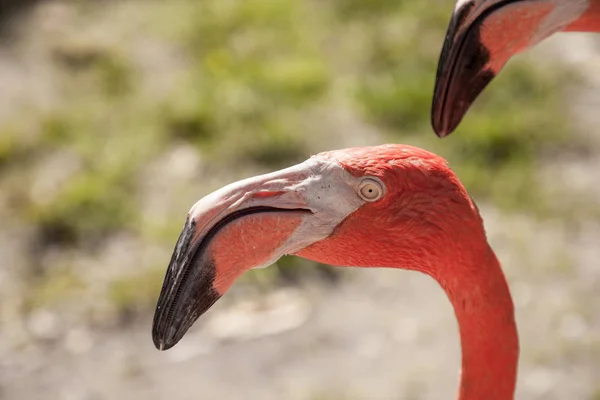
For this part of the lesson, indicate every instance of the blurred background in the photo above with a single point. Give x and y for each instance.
(116, 116)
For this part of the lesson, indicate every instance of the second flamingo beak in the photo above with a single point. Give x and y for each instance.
(483, 35)
(247, 224)
(463, 69)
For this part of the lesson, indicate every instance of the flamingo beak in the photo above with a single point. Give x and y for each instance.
(481, 38)
(463, 70)
(244, 225)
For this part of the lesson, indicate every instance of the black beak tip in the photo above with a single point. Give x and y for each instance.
(163, 342)
(160, 345)
(440, 132)
(163, 346)
(442, 121)
(442, 125)
(445, 127)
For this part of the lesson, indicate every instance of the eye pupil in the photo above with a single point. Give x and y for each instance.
(370, 189)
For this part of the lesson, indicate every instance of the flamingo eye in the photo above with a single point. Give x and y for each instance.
(370, 189)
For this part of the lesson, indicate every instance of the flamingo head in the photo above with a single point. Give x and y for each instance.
(482, 36)
(341, 207)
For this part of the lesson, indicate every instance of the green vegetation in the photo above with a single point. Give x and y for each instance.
(246, 78)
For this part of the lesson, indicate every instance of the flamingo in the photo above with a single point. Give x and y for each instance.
(392, 206)
(484, 34)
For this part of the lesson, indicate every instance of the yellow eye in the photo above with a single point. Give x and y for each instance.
(370, 189)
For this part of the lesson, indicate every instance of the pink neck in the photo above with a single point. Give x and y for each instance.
(467, 269)
(488, 333)
(589, 21)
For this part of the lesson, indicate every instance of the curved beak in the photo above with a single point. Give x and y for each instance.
(247, 224)
(481, 38)
(241, 226)
(463, 69)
